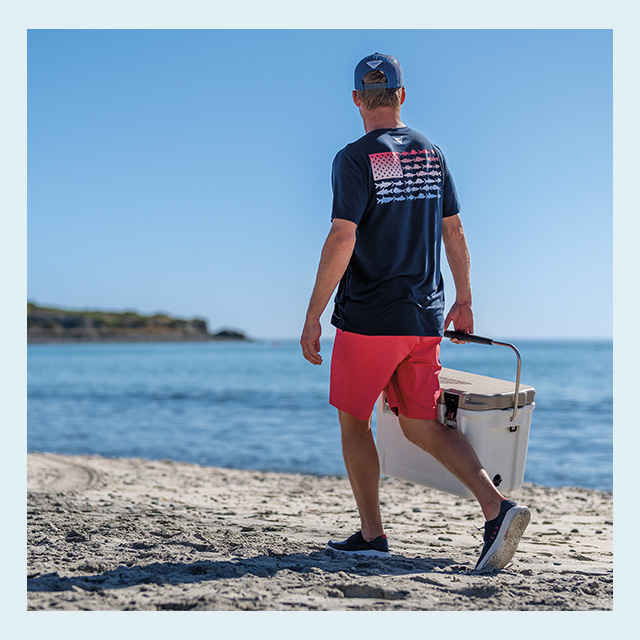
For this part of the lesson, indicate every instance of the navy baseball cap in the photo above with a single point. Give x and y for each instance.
(381, 62)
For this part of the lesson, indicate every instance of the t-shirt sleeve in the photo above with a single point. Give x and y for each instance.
(450, 202)
(350, 189)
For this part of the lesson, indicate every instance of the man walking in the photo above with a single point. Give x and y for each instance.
(394, 202)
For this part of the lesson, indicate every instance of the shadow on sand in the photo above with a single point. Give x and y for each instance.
(174, 573)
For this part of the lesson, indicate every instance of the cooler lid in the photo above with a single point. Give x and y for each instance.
(482, 393)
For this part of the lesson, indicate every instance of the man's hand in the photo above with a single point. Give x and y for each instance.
(310, 340)
(336, 253)
(462, 317)
(457, 251)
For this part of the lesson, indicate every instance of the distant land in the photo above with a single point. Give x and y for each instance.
(47, 324)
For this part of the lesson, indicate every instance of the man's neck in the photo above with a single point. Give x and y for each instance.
(382, 118)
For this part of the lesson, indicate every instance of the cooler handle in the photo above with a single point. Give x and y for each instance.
(469, 337)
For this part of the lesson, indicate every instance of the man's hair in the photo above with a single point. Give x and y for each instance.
(374, 98)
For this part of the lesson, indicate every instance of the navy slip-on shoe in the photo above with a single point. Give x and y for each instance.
(357, 545)
(502, 535)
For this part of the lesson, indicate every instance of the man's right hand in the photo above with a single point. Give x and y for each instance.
(310, 341)
(462, 317)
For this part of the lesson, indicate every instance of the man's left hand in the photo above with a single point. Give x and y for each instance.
(310, 341)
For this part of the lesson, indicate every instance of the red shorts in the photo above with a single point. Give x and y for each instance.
(407, 367)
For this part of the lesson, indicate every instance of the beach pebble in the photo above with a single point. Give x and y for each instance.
(74, 536)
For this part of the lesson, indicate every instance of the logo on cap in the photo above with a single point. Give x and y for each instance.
(379, 62)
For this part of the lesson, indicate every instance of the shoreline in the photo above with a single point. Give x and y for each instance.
(136, 534)
(310, 474)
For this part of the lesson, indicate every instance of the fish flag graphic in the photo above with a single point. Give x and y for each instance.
(386, 165)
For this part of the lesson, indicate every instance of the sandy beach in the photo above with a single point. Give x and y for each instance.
(134, 534)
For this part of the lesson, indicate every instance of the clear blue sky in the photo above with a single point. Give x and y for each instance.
(189, 171)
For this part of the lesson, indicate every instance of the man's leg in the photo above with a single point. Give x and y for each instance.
(451, 449)
(363, 468)
(506, 520)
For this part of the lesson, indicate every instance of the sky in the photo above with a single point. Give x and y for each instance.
(139, 196)
(188, 171)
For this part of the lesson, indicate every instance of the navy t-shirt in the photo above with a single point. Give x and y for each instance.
(395, 185)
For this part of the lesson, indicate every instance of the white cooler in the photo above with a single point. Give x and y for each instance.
(484, 410)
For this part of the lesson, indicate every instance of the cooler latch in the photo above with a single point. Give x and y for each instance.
(451, 409)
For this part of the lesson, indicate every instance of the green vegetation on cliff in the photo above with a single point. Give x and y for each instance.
(46, 324)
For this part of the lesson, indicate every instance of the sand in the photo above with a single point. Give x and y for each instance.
(142, 535)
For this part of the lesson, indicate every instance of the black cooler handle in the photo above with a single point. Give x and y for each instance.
(467, 337)
(470, 337)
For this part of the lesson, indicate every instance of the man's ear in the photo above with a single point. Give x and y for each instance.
(354, 95)
(403, 95)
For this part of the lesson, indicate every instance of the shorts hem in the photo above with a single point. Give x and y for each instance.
(433, 415)
(359, 415)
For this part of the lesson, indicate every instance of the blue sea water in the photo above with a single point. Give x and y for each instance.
(260, 405)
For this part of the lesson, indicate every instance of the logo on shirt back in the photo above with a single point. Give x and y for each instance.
(399, 176)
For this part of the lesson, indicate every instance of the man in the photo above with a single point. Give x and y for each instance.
(394, 201)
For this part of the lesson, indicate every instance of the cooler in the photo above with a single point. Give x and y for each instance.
(485, 410)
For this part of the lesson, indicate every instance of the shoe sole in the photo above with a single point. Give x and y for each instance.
(506, 542)
(363, 552)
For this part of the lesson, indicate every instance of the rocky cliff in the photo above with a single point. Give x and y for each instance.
(46, 324)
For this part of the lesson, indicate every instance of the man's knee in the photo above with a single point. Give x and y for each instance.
(420, 432)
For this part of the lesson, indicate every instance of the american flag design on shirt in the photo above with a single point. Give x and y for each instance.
(406, 175)
(386, 165)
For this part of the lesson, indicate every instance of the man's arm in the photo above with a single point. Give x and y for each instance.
(458, 258)
(336, 253)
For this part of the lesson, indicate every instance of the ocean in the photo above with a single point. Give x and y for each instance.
(260, 405)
